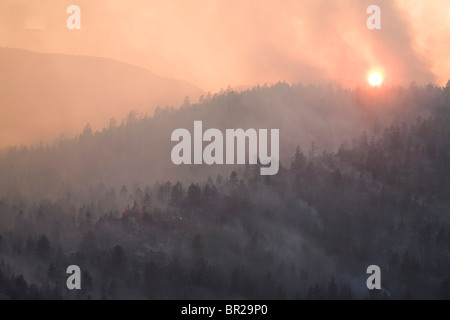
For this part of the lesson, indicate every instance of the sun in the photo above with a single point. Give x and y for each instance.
(375, 78)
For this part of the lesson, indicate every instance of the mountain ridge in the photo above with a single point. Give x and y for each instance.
(54, 93)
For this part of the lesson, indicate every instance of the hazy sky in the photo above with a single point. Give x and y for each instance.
(214, 44)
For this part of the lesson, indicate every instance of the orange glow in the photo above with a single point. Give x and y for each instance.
(209, 44)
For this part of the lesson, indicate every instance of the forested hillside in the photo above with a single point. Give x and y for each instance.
(309, 232)
(136, 150)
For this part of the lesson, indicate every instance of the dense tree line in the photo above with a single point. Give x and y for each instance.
(308, 232)
(137, 149)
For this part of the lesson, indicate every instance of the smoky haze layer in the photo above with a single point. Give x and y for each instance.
(224, 43)
(137, 150)
(219, 43)
(44, 95)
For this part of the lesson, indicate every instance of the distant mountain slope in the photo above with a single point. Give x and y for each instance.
(42, 95)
